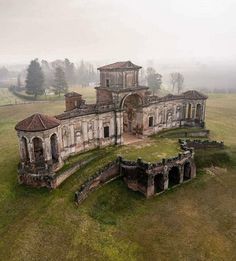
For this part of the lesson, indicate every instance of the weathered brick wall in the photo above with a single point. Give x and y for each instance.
(104, 96)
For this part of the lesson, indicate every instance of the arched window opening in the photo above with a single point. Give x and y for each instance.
(38, 150)
(174, 176)
(198, 111)
(190, 110)
(187, 171)
(25, 152)
(54, 148)
(159, 183)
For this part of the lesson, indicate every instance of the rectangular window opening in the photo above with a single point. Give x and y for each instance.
(150, 122)
(106, 132)
(107, 83)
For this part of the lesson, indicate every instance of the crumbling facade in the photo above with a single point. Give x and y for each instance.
(122, 106)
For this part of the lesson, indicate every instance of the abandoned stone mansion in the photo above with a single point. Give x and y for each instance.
(122, 108)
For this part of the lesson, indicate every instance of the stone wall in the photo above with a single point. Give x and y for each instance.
(142, 176)
(103, 176)
(51, 180)
(200, 144)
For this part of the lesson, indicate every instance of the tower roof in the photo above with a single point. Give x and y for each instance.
(120, 65)
(37, 122)
(72, 94)
(195, 95)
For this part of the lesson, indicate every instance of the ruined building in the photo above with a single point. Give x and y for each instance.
(122, 107)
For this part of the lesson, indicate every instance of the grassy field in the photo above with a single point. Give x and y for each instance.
(7, 97)
(195, 221)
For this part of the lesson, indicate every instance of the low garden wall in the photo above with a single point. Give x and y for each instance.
(108, 173)
(200, 144)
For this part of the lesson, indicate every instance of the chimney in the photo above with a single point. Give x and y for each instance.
(73, 100)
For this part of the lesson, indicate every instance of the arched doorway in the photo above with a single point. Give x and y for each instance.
(24, 147)
(189, 111)
(174, 176)
(187, 171)
(159, 183)
(133, 114)
(38, 150)
(54, 148)
(198, 112)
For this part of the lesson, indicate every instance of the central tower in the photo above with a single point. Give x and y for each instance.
(116, 81)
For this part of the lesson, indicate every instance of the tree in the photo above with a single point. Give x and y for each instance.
(173, 77)
(82, 74)
(60, 84)
(48, 73)
(154, 79)
(34, 79)
(69, 71)
(19, 81)
(4, 74)
(177, 81)
(180, 82)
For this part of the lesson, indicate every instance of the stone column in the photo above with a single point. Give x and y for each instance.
(47, 149)
(21, 149)
(119, 127)
(100, 130)
(203, 111)
(193, 112)
(31, 151)
(165, 174)
(150, 186)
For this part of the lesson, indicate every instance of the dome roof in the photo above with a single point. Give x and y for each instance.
(37, 122)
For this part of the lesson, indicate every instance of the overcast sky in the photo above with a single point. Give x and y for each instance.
(117, 29)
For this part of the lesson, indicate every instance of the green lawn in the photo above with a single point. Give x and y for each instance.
(7, 97)
(195, 221)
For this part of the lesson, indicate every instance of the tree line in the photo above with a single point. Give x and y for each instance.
(154, 81)
(56, 76)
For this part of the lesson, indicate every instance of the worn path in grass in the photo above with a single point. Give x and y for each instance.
(195, 221)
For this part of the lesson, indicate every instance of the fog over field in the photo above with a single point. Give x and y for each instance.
(197, 38)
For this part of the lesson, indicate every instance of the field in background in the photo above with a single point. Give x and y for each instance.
(193, 222)
(8, 98)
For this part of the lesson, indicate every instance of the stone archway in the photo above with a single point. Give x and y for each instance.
(189, 111)
(24, 149)
(198, 111)
(38, 150)
(132, 114)
(54, 148)
(159, 182)
(174, 176)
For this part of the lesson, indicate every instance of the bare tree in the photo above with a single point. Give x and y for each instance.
(180, 82)
(177, 81)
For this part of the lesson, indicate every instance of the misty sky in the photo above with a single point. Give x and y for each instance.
(117, 29)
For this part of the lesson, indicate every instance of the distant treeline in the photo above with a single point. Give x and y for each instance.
(82, 74)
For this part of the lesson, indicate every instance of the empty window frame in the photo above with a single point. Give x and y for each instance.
(106, 132)
(150, 122)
